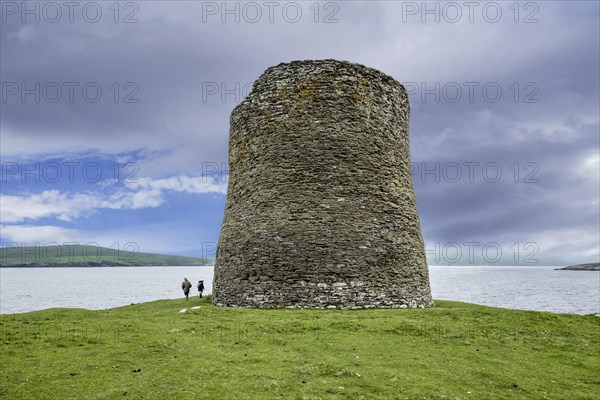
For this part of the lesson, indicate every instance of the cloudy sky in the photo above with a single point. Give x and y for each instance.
(114, 120)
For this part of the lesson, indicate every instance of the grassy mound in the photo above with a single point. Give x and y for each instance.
(153, 351)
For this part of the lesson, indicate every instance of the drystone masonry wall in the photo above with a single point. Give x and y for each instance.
(320, 206)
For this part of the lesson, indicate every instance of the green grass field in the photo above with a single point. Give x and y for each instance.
(152, 351)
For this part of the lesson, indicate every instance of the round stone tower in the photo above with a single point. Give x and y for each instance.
(320, 207)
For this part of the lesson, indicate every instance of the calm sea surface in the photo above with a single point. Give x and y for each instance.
(526, 288)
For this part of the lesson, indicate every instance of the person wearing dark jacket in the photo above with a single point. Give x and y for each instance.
(186, 286)
(200, 287)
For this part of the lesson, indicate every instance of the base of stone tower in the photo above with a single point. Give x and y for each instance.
(330, 296)
(331, 306)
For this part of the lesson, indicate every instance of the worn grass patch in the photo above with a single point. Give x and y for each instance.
(151, 351)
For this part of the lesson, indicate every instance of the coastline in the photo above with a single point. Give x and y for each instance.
(581, 267)
(97, 265)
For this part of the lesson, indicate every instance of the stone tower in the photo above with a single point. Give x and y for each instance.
(320, 207)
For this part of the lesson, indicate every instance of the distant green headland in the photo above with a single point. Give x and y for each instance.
(583, 267)
(89, 256)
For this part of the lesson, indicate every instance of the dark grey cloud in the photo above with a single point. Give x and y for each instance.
(171, 54)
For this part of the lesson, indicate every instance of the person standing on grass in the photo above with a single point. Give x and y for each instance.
(186, 286)
(200, 287)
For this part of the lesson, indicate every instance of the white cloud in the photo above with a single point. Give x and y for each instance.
(568, 245)
(65, 207)
(43, 234)
(146, 193)
(199, 184)
(46, 204)
(24, 34)
(590, 167)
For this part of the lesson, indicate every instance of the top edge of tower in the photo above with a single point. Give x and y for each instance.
(325, 67)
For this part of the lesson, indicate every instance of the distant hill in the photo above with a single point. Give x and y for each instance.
(88, 256)
(583, 267)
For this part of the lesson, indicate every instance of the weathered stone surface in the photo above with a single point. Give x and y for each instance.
(320, 207)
